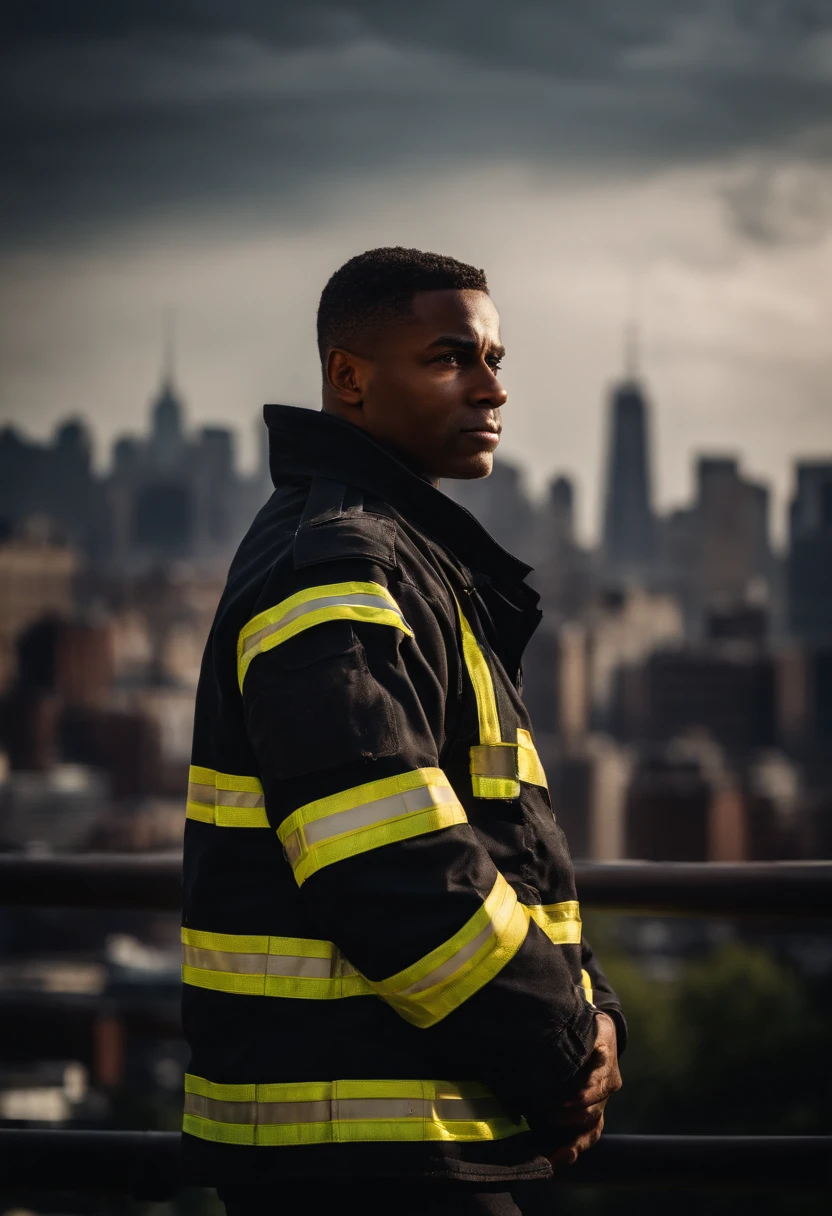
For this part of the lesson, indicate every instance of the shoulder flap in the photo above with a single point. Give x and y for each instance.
(335, 525)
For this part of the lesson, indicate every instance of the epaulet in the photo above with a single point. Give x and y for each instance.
(336, 524)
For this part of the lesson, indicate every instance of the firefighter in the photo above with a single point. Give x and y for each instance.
(387, 996)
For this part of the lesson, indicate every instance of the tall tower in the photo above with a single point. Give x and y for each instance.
(562, 507)
(629, 536)
(166, 411)
(809, 567)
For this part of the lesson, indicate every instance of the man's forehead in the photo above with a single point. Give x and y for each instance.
(470, 314)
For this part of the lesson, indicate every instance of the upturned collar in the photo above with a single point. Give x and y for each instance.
(309, 442)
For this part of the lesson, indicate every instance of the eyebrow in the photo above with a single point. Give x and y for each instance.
(457, 342)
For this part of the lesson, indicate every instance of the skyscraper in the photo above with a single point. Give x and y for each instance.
(562, 507)
(629, 534)
(810, 553)
(732, 525)
(167, 412)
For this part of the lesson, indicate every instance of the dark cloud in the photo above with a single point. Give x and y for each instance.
(543, 33)
(119, 112)
(776, 204)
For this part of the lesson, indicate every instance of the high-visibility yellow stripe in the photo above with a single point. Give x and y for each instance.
(494, 770)
(560, 922)
(256, 965)
(352, 1131)
(433, 987)
(529, 768)
(344, 1112)
(586, 985)
(224, 799)
(289, 987)
(497, 767)
(480, 675)
(313, 606)
(367, 817)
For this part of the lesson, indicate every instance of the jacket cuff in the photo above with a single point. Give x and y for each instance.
(571, 1045)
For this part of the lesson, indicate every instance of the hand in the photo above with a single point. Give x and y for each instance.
(597, 1081)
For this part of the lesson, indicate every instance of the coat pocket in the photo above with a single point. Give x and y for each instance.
(316, 705)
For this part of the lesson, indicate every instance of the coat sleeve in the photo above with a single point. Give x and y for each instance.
(602, 995)
(345, 684)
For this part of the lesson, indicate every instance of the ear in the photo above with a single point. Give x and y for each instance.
(347, 375)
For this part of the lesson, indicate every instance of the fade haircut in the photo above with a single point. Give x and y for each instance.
(377, 287)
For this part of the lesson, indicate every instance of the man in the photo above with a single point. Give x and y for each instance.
(386, 995)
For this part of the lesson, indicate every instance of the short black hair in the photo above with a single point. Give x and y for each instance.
(378, 286)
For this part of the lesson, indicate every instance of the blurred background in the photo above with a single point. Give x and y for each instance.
(649, 188)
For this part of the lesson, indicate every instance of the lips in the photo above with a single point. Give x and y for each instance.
(485, 434)
(487, 428)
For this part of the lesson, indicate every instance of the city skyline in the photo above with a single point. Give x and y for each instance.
(228, 165)
(247, 456)
(111, 381)
(647, 188)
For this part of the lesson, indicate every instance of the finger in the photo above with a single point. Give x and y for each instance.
(564, 1156)
(568, 1154)
(570, 1151)
(598, 1091)
(580, 1116)
(606, 1036)
(596, 1088)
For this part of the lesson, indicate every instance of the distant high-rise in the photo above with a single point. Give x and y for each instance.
(716, 554)
(167, 413)
(810, 553)
(562, 507)
(167, 437)
(629, 535)
(171, 494)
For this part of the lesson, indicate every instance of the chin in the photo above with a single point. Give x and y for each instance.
(470, 468)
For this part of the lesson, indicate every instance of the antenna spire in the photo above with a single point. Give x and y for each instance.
(168, 345)
(631, 332)
(631, 350)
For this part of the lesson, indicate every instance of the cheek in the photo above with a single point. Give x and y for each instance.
(438, 419)
(416, 409)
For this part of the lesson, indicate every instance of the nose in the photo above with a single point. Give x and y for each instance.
(488, 389)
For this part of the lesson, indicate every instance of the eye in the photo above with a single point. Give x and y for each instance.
(449, 358)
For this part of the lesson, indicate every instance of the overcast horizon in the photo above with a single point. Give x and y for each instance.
(667, 161)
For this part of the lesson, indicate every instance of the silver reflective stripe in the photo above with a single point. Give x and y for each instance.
(353, 600)
(240, 798)
(344, 1109)
(257, 1112)
(368, 813)
(267, 964)
(211, 796)
(490, 760)
(201, 793)
(450, 965)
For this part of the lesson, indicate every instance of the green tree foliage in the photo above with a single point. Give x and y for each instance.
(734, 1044)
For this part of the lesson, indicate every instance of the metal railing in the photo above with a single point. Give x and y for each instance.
(146, 1163)
(153, 880)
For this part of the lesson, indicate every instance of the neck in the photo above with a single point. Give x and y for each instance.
(404, 457)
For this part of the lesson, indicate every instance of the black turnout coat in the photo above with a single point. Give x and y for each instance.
(383, 965)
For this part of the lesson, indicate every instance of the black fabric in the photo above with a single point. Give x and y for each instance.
(350, 702)
(314, 444)
(389, 1199)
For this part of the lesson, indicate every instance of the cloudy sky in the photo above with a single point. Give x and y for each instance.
(668, 159)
